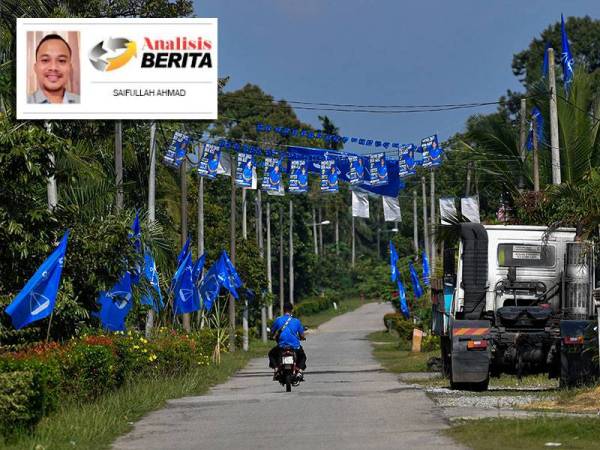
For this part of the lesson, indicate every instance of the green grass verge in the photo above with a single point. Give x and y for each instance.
(314, 320)
(525, 434)
(386, 350)
(95, 425)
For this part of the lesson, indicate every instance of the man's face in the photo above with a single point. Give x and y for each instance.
(53, 65)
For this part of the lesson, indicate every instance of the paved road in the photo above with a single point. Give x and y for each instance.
(347, 402)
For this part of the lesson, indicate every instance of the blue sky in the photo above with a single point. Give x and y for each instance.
(388, 52)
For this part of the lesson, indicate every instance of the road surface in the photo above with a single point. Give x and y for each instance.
(347, 402)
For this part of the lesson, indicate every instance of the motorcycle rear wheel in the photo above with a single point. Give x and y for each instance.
(288, 382)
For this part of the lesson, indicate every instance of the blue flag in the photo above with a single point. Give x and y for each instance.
(36, 300)
(537, 122)
(393, 262)
(229, 277)
(566, 58)
(151, 276)
(184, 251)
(185, 300)
(197, 269)
(545, 63)
(210, 287)
(115, 304)
(414, 278)
(426, 274)
(402, 299)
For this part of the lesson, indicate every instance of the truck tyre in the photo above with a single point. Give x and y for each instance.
(446, 358)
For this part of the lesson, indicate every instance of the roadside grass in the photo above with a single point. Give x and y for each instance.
(526, 434)
(347, 305)
(580, 400)
(95, 425)
(388, 351)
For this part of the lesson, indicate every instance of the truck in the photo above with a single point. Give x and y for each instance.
(516, 299)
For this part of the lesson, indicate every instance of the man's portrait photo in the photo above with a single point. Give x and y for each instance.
(53, 74)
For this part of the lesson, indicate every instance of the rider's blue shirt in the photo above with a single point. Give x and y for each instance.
(290, 336)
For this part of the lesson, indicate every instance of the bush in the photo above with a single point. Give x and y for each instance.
(403, 327)
(314, 305)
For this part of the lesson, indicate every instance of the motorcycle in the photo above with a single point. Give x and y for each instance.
(287, 372)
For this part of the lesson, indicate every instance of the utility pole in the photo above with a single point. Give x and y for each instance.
(119, 163)
(536, 161)
(232, 255)
(291, 256)
(51, 184)
(281, 281)
(315, 231)
(432, 234)
(261, 252)
(556, 176)
(184, 224)
(523, 138)
(245, 338)
(353, 242)
(269, 268)
(425, 232)
(151, 208)
(415, 223)
(469, 170)
(321, 233)
(244, 224)
(200, 216)
(337, 233)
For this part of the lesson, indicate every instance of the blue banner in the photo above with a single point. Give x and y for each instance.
(566, 58)
(36, 300)
(298, 176)
(537, 122)
(177, 150)
(426, 272)
(329, 176)
(245, 170)
(432, 153)
(272, 175)
(417, 289)
(406, 161)
(151, 275)
(378, 173)
(115, 304)
(356, 170)
(402, 298)
(184, 299)
(209, 161)
(393, 262)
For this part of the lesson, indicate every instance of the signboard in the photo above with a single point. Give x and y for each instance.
(406, 161)
(245, 170)
(432, 153)
(177, 150)
(298, 176)
(209, 161)
(125, 68)
(378, 169)
(272, 175)
(356, 172)
(329, 176)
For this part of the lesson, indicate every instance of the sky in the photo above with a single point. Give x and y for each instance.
(382, 52)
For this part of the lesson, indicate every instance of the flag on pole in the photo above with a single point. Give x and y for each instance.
(566, 58)
(393, 262)
(197, 269)
(36, 300)
(545, 63)
(115, 304)
(151, 276)
(426, 273)
(447, 210)
(402, 298)
(184, 251)
(136, 237)
(184, 299)
(228, 276)
(469, 207)
(360, 204)
(391, 209)
(414, 278)
(537, 123)
(210, 287)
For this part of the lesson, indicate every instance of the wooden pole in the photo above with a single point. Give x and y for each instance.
(269, 268)
(244, 214)
(315, 231)
(425, 222)
(523, 138)
(200, 216)
(281, 278)
(554, 143)
(119, 164)
(432, 234)
(337, 233)
(536, 163)
(151, 208)
(184, 226)
(51, 182)
(322, 249)
(353, 243)
(291, 255)
(468, 186)
(232, 255)
(415, 224)
(261, 252)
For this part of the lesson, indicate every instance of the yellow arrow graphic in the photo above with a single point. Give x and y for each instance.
(123, 58)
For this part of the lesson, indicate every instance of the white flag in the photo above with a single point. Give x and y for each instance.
(360, 204)
(447, 210)
(224, 164)
(391, 209)
(469, 207)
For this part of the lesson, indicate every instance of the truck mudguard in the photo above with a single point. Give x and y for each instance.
(474, 268)
(470, 352)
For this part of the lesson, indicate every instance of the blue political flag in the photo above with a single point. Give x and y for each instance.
(393, 262)
(229, 277)
(136, 237)
(414, 278)
(537, 123)
(402, 299)
(151, 275)
(197, 269)
(210, 287)
(184, 251)
(566, 58)
(545, 63)
(426, 273)
(184, 299)
(36, 300)
(115, 304)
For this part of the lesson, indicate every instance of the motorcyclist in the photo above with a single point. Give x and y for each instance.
(288, 332)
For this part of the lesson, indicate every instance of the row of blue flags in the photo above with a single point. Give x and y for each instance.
(395, 277)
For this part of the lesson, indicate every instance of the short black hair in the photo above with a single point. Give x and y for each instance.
(288, 308)
(49, 37)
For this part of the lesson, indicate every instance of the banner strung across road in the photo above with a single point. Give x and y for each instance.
(298, 176)
(245, 170)
(329, 176)
(209, 161)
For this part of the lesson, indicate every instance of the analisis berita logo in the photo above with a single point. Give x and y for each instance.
(112, 53)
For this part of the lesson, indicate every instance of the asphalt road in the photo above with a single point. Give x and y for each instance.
(346, 402)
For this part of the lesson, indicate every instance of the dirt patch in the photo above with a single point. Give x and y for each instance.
(583, 401)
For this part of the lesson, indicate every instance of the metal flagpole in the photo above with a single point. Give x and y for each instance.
(415, 223)
(184, 225)
(245, 339)
(353, 242)
(432, 234)
(291, 255)
(232, 251)
(425, 232)
(261, 252)
(321, 248)
(337, 233)
(315, 231)
(244, 224)
(556, 176)
(281, 281)
(151, 208)
(269, 268)
(119, 163)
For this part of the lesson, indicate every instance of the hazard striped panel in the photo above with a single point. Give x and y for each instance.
(470, 331)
